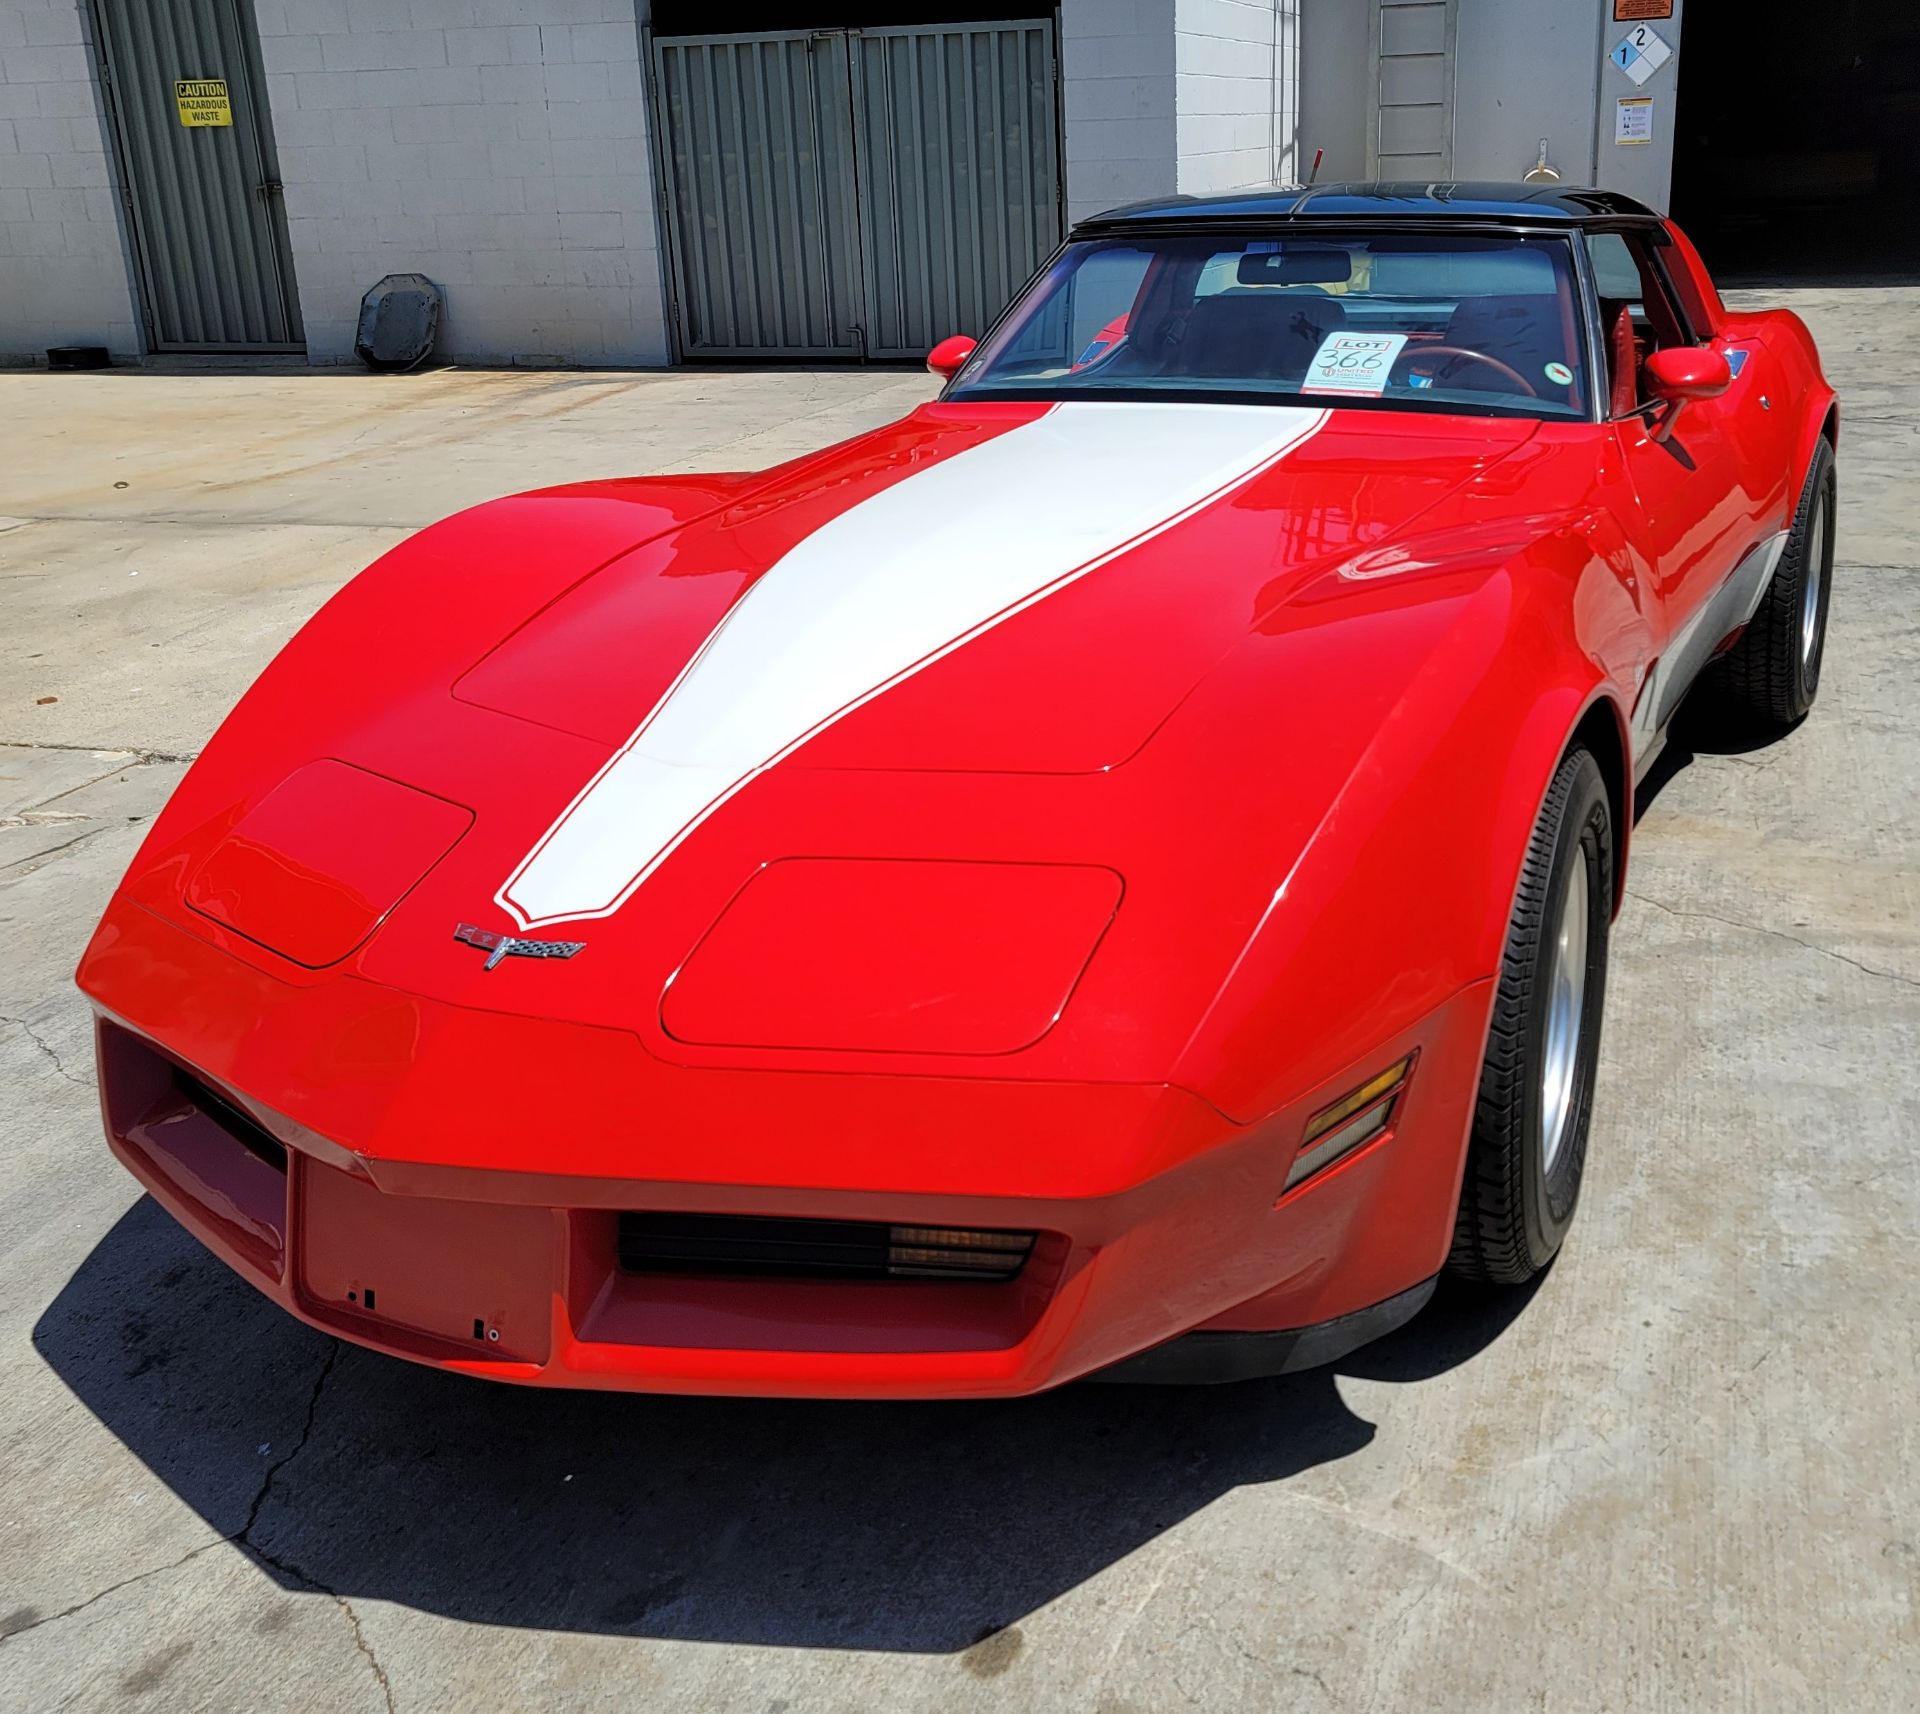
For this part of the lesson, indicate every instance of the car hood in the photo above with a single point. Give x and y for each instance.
(1015, 590)
(715, 729)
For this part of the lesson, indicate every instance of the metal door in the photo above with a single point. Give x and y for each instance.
(958, 144)
(855, 193)
(204, 197)
(759, 133)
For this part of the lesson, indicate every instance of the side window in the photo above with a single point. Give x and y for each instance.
(1638, 313)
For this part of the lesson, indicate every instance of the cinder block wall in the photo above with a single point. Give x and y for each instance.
(64, 278)
(1176, 95)
(1235, 89)
(1116, 97)
(498, 146)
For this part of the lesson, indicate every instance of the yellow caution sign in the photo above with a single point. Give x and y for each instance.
(203, 101)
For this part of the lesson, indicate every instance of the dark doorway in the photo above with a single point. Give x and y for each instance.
(1798, 149)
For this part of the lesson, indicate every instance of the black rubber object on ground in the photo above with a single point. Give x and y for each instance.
(77, 357)
(1767, 680)
(399, 320)
(1514, 1214)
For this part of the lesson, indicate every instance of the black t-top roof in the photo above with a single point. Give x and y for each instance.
(1529, 204)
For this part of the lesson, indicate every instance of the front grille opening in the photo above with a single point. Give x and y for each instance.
(235, 1123)
(816, 1249)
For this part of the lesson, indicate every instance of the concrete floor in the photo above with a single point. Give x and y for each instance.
(1683, 1473)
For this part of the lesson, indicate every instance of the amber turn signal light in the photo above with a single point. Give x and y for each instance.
(1357, 1117)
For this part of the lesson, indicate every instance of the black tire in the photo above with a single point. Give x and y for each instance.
(1767, 681)
(1515, 1209)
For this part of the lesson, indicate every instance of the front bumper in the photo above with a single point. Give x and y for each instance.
(371, 1161)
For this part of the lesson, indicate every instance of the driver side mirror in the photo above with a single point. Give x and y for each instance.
(1682, 373)
(948, 357)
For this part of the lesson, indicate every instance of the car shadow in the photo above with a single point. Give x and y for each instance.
(918, 1527)
(1696, 731)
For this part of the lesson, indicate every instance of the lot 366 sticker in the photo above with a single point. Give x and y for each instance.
(1353, 363)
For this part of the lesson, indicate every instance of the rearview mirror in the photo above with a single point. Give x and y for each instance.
(1682, 373)
(1295, 268)
(948, 357)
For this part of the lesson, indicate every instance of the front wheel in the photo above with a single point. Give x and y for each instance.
(1528, 1150)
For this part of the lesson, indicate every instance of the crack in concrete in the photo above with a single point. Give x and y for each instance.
(47, 1047)
(360, 1642)
(288, 1568)
(135, 758)
(45, 817)
(28, 865)
(1775, 934)
(98, 1595)
(242, 1538)
(243, 1535)
(222, 520)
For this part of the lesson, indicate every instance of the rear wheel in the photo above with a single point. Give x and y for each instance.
(1528, 1150)
(1767, 680)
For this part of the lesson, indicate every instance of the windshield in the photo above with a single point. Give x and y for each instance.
(1477, 325)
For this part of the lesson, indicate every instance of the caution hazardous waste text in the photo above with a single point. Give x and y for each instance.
(203, 101)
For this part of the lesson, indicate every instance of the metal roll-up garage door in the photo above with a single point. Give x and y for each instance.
(856, 193)
(185, 91)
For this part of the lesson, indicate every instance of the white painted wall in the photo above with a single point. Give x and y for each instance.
(63, 271)
(1236, 92)
(1160, 96)
(1117, 102)
(497, 146)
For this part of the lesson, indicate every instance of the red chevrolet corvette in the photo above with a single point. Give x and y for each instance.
(1109, 873)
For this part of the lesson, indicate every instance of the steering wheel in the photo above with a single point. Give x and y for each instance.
(1454, 353)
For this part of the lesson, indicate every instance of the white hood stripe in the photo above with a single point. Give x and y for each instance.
(873, 596)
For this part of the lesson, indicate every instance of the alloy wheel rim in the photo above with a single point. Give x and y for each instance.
(1812, 581)
(1566, 1008)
